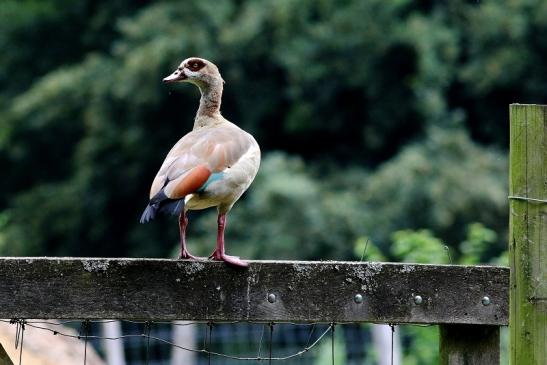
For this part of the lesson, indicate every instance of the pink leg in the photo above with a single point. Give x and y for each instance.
(219, 253)
(183, 222)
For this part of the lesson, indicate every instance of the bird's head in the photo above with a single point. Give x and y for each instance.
(197, 71)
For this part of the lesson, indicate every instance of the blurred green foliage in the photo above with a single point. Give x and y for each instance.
(418, 246)
(380, 122)
(322, 213)
(390, 115)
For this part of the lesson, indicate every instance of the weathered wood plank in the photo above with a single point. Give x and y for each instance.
(469, 345)
(304, 291)
(528, 234)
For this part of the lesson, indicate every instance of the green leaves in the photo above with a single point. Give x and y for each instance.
(418, 246)
(371, 102)
(479, 238)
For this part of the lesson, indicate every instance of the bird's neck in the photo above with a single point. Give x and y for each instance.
(209, 104)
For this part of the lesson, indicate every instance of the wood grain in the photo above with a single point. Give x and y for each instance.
(469, 345)
(81, 288)
(528, 234)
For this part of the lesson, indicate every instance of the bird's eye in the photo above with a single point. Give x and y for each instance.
(195, 65)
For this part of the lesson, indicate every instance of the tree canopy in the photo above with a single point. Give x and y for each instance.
(373, 117)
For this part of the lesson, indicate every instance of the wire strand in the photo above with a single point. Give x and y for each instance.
(210, 341)
(260, 342)
(271, 342)
(392, 333)
(514, 197)
(311, 333)
(40, 325)
(22, 339)
(147, 330)
(332, 341)
(86, 330)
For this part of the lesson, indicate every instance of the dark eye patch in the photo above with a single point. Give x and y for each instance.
(195, 65)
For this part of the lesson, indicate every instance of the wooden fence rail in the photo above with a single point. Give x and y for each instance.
(267, 291)
(468, 302)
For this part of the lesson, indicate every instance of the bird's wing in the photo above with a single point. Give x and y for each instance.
(196, 156)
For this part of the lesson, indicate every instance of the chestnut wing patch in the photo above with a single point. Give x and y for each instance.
(215, 149)
(188, 183)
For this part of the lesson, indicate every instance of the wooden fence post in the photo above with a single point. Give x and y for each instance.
(467, 344)
(528, 234)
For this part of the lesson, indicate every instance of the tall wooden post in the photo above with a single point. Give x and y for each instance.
(528, 234)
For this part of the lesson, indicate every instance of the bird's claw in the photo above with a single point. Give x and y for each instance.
(185, 255)
(232, 260)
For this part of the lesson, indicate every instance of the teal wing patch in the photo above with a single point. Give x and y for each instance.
(216, 176)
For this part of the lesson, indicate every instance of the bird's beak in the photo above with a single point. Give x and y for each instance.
(178, 75)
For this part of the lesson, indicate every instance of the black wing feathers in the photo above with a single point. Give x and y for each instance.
(160, 203)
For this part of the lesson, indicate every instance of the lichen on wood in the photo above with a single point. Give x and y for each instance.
(213, 291)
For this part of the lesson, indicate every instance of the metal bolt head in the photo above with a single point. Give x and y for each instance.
(271, 298)
(486, 300)
(418, 299)
(358, 298)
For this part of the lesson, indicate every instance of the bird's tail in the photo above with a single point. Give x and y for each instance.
(160, 203)
(149, 213)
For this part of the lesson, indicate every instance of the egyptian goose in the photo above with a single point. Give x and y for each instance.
(211, 166)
